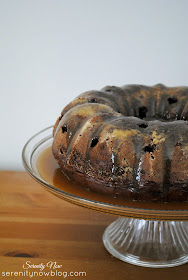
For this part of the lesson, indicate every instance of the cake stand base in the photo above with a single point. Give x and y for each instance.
(148, 243)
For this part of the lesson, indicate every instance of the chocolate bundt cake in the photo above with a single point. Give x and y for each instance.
(129, 141)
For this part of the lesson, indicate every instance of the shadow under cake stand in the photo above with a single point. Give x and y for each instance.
(141, 235)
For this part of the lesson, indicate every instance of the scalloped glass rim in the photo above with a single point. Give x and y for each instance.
(41, 138)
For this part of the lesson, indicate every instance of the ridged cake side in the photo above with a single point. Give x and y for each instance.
(130, 141)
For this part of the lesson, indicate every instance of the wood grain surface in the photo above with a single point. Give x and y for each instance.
(39, 228)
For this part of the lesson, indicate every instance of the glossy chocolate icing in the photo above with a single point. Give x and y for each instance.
(129, 142)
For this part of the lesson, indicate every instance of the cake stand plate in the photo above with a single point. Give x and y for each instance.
(143, 235)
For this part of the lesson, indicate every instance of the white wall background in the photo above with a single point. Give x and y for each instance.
(52, 50)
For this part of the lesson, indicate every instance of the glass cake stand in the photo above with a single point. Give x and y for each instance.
(150, 235)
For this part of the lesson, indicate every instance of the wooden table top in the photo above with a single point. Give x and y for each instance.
(38, 228)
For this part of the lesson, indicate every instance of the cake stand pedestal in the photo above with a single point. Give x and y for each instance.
(148, 243)
(141, 236)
